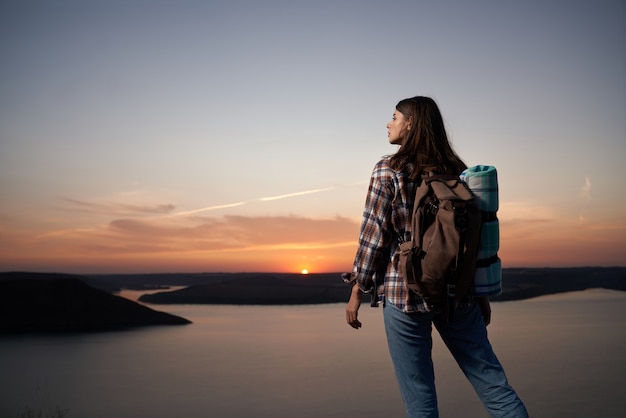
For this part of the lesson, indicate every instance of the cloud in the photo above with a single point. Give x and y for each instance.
(228, 233)
(585, 191)
(525, 212)
(64, 232)
(114, 233)
(243, 230)
(116, 208)
(608, 227)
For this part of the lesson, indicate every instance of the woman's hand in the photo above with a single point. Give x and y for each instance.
(485, 308)
(352, 310)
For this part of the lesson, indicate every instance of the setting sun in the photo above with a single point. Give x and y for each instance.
(304, 271)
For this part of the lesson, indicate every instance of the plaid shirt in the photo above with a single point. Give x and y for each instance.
(385, 224)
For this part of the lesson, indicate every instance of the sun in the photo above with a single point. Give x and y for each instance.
(304, 271)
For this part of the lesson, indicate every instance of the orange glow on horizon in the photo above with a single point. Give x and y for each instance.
(523, 243)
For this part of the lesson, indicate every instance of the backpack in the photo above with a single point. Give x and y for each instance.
(445, 234)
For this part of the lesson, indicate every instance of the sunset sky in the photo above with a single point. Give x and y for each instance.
(239, 135)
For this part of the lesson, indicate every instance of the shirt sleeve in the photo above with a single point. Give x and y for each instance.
(375, 233)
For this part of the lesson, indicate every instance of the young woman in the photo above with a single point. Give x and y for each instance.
(417, 127)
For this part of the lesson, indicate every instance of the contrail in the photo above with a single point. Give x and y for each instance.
(208, 208)
(283, 196)
(262, 199)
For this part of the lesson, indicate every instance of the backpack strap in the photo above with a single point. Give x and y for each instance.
(421, 193)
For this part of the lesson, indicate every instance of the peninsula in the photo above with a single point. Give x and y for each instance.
(43, 302)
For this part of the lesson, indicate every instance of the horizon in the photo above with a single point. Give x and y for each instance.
(251, 272)
(240, 137)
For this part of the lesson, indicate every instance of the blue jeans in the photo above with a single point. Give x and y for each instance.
(410, 345)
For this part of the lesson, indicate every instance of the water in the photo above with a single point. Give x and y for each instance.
(565, 355)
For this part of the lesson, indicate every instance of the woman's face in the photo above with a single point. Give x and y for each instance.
(397, 128)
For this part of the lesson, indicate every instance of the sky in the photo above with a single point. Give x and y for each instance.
(143, 136)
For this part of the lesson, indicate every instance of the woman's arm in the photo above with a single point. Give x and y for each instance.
(485, 308)
(352, 310)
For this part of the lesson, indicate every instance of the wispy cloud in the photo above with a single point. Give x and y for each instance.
(228, 233)
(128, 209)
(163, 243)
(117, 208)
(608, 227)
(117, 232)
(525, 212)
(585, 190)
(65, 233)
(284, 196)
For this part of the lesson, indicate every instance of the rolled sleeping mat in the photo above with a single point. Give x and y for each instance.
(483, 182)
(489, 240)
(488, 279)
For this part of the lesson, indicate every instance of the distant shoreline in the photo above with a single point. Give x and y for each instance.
(49, 302)
(292, 288)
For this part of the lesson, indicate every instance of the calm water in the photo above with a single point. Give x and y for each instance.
(565, 355)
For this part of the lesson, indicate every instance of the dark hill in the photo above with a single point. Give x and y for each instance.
(285, 289)
(38, 302)
(254, 289)
(259, 289)
(524, 283)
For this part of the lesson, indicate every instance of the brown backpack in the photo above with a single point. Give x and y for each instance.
(440, 259)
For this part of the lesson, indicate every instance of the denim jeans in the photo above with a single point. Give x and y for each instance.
(410, 345)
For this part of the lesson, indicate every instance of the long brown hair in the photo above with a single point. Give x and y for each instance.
(426, 146)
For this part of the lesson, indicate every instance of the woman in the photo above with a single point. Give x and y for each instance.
(417, 127)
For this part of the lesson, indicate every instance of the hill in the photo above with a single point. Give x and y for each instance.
(266, 289)
(33, 301)
(258, 289)
(524, 283)
(39, 302)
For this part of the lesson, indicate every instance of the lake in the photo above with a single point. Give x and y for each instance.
(564, 354)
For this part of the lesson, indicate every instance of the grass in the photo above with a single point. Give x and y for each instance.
(49, 412)
(45, 408)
